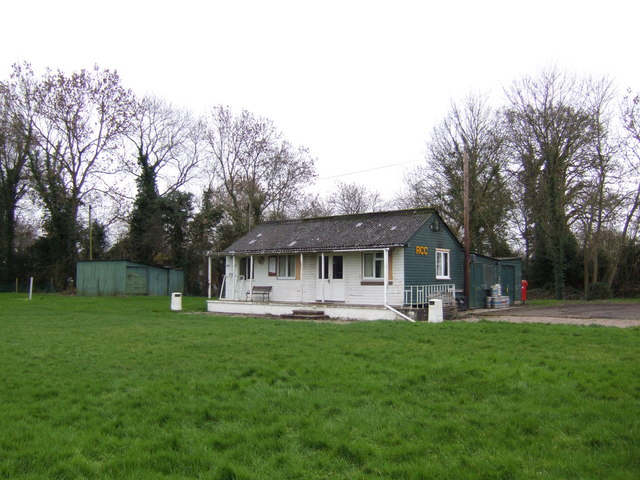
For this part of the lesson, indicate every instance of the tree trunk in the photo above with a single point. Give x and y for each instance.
(623, 241)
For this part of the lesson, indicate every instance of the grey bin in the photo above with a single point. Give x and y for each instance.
(176, 301)
(435, 311)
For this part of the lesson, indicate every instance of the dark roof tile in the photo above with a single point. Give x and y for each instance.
(346, 232)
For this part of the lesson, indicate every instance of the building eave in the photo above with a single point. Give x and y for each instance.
(289, 251)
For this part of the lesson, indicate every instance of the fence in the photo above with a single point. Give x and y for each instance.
(22, 285)
(417, 296)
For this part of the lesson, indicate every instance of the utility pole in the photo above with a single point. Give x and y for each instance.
(90, 236)
(467, 233)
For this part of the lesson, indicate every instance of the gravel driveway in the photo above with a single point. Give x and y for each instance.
(587, 313)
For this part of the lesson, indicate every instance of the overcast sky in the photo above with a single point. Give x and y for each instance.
(359, 83)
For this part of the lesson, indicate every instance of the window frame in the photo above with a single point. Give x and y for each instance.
(443, 267)
(272, 265)
(289, 267)
(245, 268)
(376, 257)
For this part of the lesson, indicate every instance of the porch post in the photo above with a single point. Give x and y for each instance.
(322, 276)
(209, 277)
(386, 273)
(233, 276)
(251, 278)
(301, 277)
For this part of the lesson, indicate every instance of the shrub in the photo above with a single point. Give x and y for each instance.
(599, 291)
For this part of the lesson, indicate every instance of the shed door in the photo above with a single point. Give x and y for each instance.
(477, 288)
(136, 281)
(508, 283)
(330, 287)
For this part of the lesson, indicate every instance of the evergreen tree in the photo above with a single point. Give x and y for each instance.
(146, 225)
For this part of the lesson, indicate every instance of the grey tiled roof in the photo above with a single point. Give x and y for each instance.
(346, 232)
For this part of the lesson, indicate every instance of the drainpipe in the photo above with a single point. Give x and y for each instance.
(400, 313)
(386, 273)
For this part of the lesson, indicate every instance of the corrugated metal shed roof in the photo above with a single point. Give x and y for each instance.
(346, 232)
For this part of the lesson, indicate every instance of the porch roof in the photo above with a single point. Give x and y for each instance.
(345, 232)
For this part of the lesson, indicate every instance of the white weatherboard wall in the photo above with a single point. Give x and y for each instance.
(306, 290)
(374, 294)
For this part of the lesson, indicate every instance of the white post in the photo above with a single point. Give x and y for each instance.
(209, 277)
(251, 277)
(386, 273)
(322, 279)
(301, 277)
(30, 287)
(233, 275)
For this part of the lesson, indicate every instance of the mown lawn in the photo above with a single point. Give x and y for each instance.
(126, 389)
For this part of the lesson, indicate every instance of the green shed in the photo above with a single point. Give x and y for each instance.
(96, 278)
(488, 271)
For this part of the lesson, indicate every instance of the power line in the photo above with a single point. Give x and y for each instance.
(367, 170)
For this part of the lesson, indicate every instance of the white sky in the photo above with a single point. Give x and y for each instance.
(360, 83)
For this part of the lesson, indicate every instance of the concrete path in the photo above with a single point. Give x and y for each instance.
(581, 313)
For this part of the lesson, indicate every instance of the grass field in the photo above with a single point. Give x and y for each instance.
(126, 389)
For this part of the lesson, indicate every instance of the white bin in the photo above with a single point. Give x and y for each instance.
(435, 311)
(176, 301)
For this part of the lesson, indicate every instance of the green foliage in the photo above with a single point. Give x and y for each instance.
(98, 241)
(599, 291)
(626, 283)
(146, 224)
(177, 213)
(542, 270)
(123, 388)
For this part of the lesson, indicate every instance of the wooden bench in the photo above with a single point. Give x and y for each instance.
(258, 290)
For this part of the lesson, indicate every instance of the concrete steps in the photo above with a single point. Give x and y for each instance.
(307, 315)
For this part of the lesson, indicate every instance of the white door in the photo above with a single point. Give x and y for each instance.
(330, 279)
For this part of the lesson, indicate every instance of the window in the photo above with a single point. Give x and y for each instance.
(287, 266)
(336, 267)
(373, 265)
(336, 264)
(442, 265)
(245, 268)
(273, 262)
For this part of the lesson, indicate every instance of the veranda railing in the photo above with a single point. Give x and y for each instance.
(417, 296)
(232, 287)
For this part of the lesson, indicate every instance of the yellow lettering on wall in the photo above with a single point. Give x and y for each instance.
(420, 250)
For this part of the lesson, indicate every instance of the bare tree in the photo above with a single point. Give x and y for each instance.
(78, 120)
(350, 198)
(255, 173)
(551, 131)
(168, 144)
(630, 116)
(472, 126)
(15, 143)
(597, 204)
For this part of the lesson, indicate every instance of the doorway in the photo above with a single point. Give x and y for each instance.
(330, 278)
(509, 283)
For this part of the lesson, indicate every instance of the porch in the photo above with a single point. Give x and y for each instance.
(278, 309)
(236, 298)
